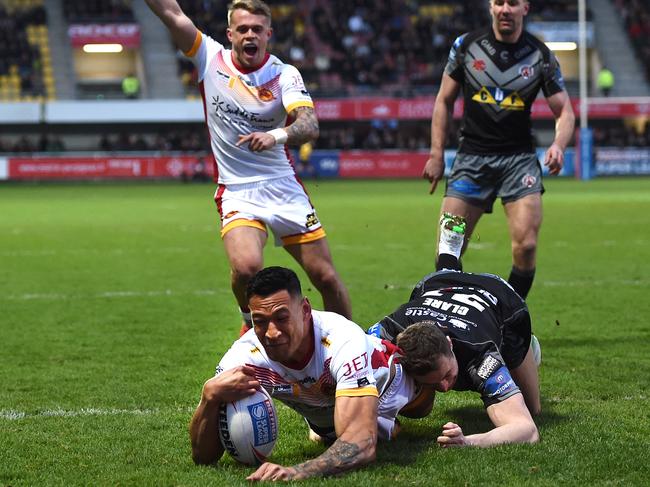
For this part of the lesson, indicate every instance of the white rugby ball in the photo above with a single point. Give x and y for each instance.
(248, 428)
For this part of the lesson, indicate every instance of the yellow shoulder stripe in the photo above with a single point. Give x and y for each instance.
(197, 43)
(362, 391)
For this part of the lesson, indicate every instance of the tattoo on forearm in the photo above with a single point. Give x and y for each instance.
(304, 128)
(341, 456)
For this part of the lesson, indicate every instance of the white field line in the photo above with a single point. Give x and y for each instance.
(110, 294)
(598, 283)
(115, 251)
(13, 415)
(211, 292)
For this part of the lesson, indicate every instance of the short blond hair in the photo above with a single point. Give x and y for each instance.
(257, 7)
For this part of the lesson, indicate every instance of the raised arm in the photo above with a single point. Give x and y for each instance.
(182, 29)
(228, 386)
(560, 105)
(443, 110)
(512, 421)
(355, 419)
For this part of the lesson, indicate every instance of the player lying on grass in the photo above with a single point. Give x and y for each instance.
(466, 331)
(345, 383)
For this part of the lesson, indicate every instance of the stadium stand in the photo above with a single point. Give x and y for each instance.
(356, 51)
(25, 64)
(636, 15)
(98, 10)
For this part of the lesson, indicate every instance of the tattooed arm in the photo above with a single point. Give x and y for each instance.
(303, 129)
(355, 419)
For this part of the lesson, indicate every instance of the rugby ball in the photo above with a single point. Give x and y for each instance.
(248, 428)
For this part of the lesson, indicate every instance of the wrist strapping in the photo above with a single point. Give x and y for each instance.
(280, 135)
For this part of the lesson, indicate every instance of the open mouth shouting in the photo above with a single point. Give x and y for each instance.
(250, 49)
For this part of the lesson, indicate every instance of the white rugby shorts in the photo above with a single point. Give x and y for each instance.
(398, 394)
(281, 204)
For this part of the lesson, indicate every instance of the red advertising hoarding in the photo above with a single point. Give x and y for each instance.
(378, 164)
(119, 167)
(422, 108)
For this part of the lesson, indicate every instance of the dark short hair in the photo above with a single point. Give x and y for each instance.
(422, 344)
(271, 280)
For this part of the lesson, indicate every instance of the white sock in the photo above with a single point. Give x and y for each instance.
(450, 243)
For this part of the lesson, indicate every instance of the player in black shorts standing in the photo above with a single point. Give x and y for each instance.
(500, 70)
(465, 331)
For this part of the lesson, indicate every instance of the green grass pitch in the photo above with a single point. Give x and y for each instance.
(115, 306)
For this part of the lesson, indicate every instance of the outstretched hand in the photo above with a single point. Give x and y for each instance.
(272, 472)
(452, 435)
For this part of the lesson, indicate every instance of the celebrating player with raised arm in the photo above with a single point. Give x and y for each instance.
(254, 105)
(346, 384)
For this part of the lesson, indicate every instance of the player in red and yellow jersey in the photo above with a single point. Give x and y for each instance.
(256, 105)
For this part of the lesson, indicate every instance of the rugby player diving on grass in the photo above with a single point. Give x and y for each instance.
(465, 331)
(346, 384)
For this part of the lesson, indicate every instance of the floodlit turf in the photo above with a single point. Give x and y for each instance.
(115, 307)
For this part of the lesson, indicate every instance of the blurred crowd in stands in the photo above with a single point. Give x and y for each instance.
(636, 15)
(348, 47)
(386, 135)
(20, 57)
(351, 46)
(98, 10)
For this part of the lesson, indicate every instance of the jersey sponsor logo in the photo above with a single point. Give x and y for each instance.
(265, 94)
(230, 214)
(363, 382)
(312, 220)
(488, 367)
(499, 383)
(507, 99)
(528, 181)
(524, 51)
(357, 364)
(526, 71)
(488, 47)
(297, 82)
(461, 325)
(282, 389)
(226, 111)
(226, 77)
(466, 187)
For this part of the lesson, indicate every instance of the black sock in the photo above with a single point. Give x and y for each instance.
(448, 261)
(521, 281)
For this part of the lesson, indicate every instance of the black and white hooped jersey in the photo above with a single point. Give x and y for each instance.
(500, 83)
(473, 310)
